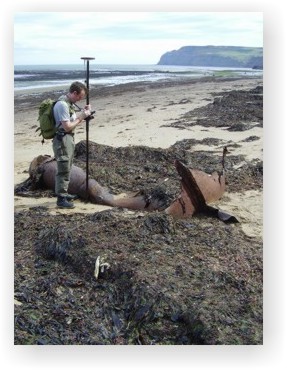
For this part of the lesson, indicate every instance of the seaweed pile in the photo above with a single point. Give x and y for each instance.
(237, 110)
(169, 282)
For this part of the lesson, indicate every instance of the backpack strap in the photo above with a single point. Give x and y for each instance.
(71, 106)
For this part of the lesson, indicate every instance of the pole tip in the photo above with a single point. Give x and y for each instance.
(87, 58)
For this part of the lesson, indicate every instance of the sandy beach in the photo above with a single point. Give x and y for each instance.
(143, 114)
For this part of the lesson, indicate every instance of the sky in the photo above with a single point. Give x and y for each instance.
(126, 37)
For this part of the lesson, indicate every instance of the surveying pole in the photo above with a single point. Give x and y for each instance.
(87, 60)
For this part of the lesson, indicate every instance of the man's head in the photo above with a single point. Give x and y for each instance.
(77, 91)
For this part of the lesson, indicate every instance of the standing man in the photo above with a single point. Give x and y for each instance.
(64, 143)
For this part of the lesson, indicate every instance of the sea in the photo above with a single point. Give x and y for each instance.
(35, 77)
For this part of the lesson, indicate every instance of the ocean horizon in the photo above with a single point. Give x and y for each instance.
(28, 77)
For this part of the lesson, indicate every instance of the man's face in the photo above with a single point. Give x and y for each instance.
(79, 96)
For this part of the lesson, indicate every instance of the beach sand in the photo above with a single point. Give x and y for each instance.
(139, 114)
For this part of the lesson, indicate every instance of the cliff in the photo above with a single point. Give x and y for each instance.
(214, 56)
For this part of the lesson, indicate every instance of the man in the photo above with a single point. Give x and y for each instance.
(63, 142)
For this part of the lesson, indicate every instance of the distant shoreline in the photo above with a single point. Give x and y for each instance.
(35, 79)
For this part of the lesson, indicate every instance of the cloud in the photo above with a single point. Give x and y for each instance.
(126, 37)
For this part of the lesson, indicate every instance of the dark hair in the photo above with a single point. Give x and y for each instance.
(78, 87)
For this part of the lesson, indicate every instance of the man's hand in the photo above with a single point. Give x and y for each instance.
(84, 114)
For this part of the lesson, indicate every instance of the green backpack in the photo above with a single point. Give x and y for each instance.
(46, 119)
